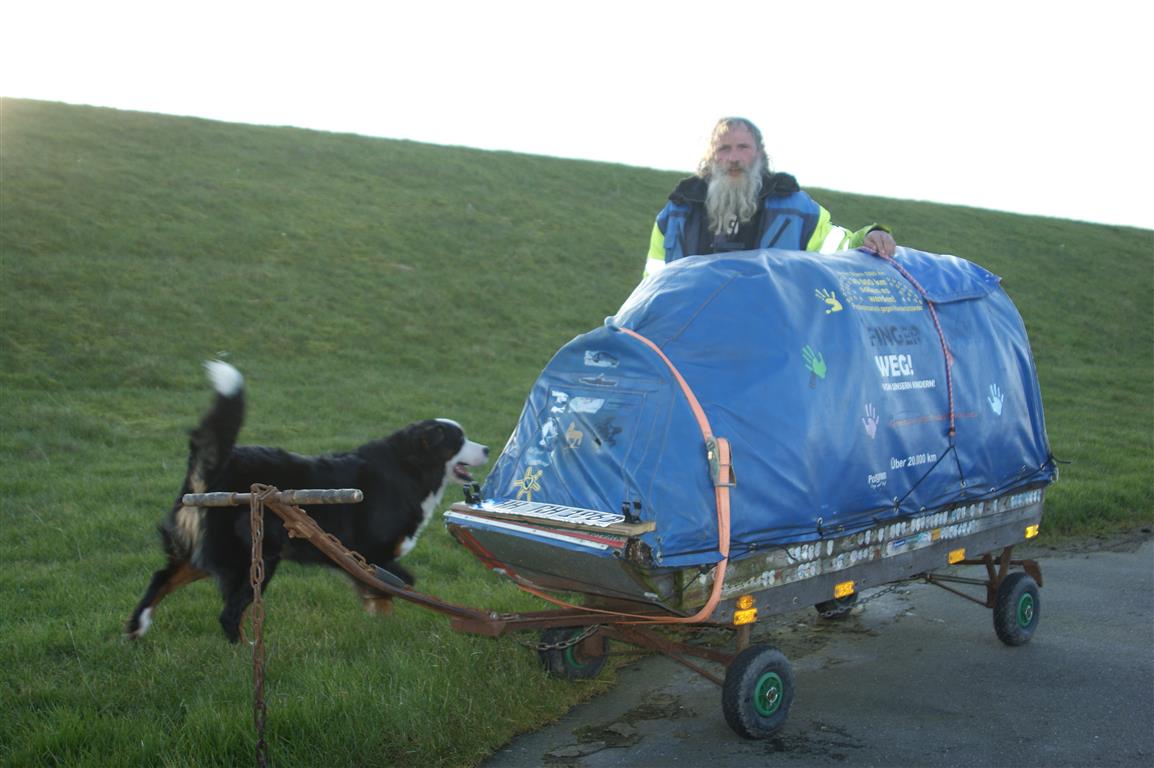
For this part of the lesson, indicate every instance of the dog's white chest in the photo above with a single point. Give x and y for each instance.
(428, 506)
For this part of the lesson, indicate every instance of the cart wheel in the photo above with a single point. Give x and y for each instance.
(581, 661)
(1016, 609)
(757, 692)
(836, 609)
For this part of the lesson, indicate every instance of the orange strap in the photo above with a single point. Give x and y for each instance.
(721, 469)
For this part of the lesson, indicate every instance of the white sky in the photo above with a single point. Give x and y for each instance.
(1014, 105)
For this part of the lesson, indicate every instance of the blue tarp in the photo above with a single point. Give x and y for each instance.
(827, 374)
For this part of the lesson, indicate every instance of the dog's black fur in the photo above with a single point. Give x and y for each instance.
(402, 477)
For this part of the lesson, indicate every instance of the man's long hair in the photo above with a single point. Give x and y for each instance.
(728, 200)
(724, 125)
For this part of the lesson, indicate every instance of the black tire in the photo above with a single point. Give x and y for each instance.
(757, 692)
(580, 661)
(835, 610)
(1016, 609)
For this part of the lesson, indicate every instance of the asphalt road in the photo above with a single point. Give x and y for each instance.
(916, 677)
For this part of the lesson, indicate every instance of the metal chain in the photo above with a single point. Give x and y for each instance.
(256, 578)
(561, 645)
(861, 601)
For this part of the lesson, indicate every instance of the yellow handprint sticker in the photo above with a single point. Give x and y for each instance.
(830, 298)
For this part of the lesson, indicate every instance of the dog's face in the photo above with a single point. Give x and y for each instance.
(445, 441)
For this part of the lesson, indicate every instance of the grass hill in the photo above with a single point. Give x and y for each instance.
(360, 284)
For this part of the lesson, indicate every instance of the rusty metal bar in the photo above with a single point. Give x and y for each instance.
(937, 582)
(497, 624)
(956, 579)
(720, 682)
(598, 611)
(996, 572)
(647, 638)
(1029, 566)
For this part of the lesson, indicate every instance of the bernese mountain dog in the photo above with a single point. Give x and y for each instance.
(402, 477)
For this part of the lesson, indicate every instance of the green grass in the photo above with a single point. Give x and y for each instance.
(360, 284)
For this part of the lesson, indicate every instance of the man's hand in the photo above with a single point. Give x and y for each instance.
(880, 242)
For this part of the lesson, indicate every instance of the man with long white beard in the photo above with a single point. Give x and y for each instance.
(735, 202)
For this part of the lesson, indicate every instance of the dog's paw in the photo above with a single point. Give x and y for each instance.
(378, 606)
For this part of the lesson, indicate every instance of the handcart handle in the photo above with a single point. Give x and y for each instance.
(305, 496)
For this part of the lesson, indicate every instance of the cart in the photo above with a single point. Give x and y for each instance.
(761, 432)
(753, 434)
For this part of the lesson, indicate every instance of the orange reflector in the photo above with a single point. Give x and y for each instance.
(747, 616)
(844, 589)
(956, 556)
(745, 602)
(1031, 531)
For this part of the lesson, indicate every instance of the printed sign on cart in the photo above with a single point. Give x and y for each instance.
(556, 512)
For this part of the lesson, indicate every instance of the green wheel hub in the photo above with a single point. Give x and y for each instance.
(767, 694)
(571, 659)
(1025, 610)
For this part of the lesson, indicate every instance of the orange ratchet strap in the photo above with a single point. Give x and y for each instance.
(721, 470)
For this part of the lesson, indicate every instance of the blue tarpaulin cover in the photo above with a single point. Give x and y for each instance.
(827, 374)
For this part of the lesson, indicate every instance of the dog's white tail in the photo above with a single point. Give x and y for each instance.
(225, 379)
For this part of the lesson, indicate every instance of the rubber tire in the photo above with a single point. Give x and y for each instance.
(1017, 609)
(842, 606)
(757, 692)
(574, 662)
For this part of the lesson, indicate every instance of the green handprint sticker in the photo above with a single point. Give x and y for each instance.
(814, 361)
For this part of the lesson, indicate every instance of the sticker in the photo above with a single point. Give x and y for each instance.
(586, 404)
(815, 364)
(557, 512)
(548, 434)
(870, 421)
(597, 359)
(878, 291)
(607, 430)
(529, 483)
(573, 436)
(995, 399)
(830, 298)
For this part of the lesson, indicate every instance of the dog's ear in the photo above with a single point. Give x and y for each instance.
(431, 435)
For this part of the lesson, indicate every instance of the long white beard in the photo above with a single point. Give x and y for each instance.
(731, 199)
